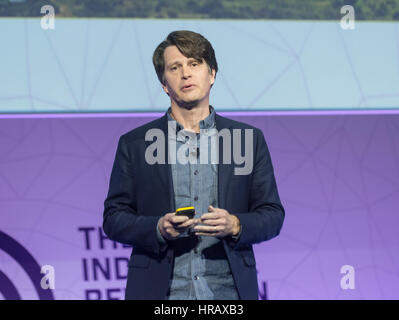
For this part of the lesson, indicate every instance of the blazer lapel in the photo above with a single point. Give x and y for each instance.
(225, 171)
(163, 172)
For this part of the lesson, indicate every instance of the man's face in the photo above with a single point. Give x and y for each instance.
(186, 80)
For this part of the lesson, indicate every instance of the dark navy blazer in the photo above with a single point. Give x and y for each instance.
(139, 193)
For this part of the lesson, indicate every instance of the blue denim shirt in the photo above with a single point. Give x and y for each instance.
(201, 269)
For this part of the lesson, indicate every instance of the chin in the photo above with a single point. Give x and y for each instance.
(188, 104)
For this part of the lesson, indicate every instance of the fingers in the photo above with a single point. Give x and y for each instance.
(174, 219)
(214, 213)
(210, 215)
(182, 221)
(215, 219)
(188, 223)
(166, 228)
(171, 226)
(209, 229)
(216, 223)
(209, 234)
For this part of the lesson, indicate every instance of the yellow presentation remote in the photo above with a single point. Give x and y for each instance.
(186, 211)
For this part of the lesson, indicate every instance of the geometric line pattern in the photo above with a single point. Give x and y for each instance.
(89, 65)
(338, 179)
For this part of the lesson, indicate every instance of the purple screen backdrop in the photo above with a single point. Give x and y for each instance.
(338, 178)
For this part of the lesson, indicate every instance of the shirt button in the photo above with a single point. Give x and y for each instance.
(195, 250)
(195, 198)
(196, 172)
(196, 277)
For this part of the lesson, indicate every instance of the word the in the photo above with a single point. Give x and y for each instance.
(98, 239)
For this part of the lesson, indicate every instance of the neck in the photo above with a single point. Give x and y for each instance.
(190, 118)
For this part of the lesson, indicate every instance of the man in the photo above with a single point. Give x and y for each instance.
(209, 256)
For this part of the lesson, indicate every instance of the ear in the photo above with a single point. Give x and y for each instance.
(213, 76)
(165, 88)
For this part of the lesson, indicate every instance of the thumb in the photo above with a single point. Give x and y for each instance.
(210, 208)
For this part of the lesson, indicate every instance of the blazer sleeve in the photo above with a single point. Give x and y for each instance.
(121, 222)
(266, 213)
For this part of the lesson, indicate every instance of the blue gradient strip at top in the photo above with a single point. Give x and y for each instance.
(105, 65)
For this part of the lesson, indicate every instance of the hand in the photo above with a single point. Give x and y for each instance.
(171, 226)
(218, 223)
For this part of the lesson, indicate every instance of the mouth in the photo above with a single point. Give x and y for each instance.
(188, 87)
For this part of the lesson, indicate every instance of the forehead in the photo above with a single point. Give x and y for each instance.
(172, 55)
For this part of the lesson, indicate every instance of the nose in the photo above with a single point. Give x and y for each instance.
(186, 72)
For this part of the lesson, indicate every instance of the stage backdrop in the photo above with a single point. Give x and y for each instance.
(337, 176)
(91, 65)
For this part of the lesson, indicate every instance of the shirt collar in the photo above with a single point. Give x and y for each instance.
(207, 123)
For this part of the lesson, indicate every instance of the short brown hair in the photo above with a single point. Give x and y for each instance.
(190, 44)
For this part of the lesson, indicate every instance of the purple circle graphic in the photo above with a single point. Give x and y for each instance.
(28, 263)
(7, 288)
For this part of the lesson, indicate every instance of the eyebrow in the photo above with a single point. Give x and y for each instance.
(178, 61)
